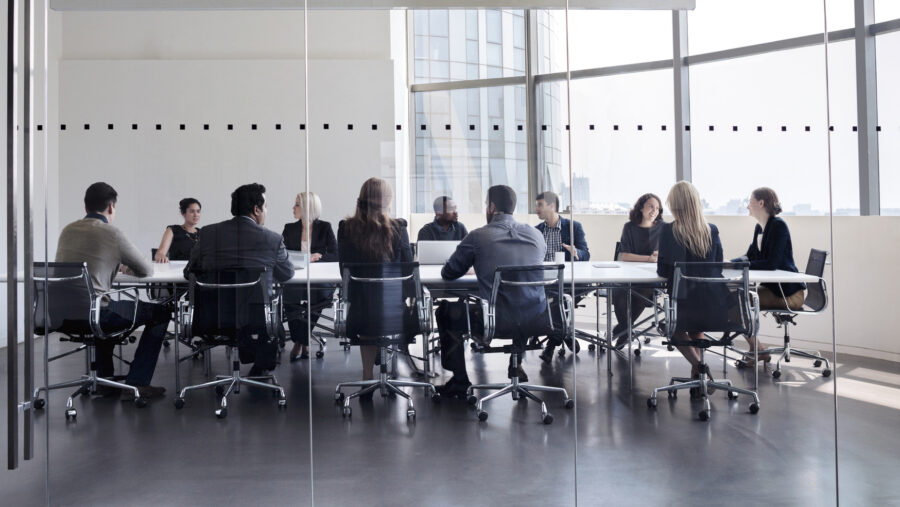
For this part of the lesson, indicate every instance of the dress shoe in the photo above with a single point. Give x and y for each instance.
(145, 391)
(454, 388)
(621, 342)
(547, 355)
(518, 372)
(257, 371)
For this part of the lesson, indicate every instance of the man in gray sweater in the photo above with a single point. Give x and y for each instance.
(106, 250)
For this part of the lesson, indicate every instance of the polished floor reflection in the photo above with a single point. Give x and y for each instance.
(116, 454)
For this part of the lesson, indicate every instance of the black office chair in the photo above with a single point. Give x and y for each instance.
(815, 303)
(382, 305)
(294, 297)
(65, 302)
(502, 319)
(703, 300)
(225, 308)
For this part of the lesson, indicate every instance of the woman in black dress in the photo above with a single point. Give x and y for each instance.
(178, 240)
(319, 243)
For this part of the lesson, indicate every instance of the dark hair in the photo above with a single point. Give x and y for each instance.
(246, 197)
(636, 216)
(99, 196)
(371, 228)
(503, 198)
(441, 202)
(549, 198)
(773, 207)
(185, 203)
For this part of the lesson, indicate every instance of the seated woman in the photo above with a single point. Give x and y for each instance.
(688, 238)
(178, 240)
(371, 235)
(320, 244)
(639, 243)
(775, 252)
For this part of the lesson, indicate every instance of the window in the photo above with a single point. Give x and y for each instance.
(887, 55)
(606, 38)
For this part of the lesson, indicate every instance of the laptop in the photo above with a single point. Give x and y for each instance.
(435, 252)
(298, 259)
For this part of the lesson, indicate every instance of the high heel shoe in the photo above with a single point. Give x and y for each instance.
(748, 361)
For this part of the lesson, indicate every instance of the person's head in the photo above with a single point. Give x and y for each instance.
(689, 224)
(546, 204)
(371, 228)
(445, 210)
(190, 210)
(250, 200)
(648, 208)
(311, 200)
(763, 204)
(501, 200)
(101, 198)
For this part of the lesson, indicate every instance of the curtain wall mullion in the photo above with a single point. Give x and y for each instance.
(682, 96)
(867, 110)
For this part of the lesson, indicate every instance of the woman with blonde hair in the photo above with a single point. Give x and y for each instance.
(319, 243)
(372, 236)
(688, 238)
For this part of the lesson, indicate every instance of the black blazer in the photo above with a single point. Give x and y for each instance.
(775, 252)
(240, 243)
(321, 238)
(671, 251)
(348, 251)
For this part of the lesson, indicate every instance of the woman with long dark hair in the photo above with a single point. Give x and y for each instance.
(371, 235)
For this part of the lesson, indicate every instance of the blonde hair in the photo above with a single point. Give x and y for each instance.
(315, 205)
(690, 227)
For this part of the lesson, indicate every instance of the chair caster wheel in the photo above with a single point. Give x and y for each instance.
(637, 353)
(140, 402)
(817, 363)
(71, 414)
(776, 374)
(482, 416)
(561, 353)
(547, 418)
(826, 373)
(347, 412)
(436, 397)
(704, 415)
(320, 354)
(646, 341)
(673, 394)
(732, 395)
(179, 403)
(471, 399)
(591, 347)
(338, 397)
(39, 403)
(166, 344)
(754, 407)
(346, 348)
(570, 403)
(411, 415)
(670, 348)
(221, 413)
(651, 402)
(220, 391)
(282, 402)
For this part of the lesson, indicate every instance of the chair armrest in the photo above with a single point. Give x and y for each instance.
(568, 305)
(96, 306)
(488, 316)
(340, 308)
(426, 314)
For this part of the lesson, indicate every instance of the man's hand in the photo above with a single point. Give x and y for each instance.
(315, 257)
(572, 251)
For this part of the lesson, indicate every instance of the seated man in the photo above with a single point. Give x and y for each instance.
(242, 243)
(503, 241)
(446, 225)
(105, 248)
(556, 230)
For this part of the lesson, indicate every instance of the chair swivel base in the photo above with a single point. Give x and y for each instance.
(387, 387)
(87, 384)
(787, 351)
(228, 384)
(518, 391)
(703, 384)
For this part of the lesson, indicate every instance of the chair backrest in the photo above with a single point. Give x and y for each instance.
(617, 251)
(381, 299)
(227, 302)
(63, 291)
(704, 300)
(816, 294)
(519, 301)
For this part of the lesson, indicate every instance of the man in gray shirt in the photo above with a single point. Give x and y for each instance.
(502, 242)
(104, 248)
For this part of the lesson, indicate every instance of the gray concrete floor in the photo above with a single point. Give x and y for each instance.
(626, 454)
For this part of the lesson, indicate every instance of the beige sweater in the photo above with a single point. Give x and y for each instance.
(103, 247)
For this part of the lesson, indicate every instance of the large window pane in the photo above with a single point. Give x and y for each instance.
(888, 54)
(886, 10)
(604, 38)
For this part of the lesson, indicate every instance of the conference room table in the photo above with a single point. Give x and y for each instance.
(587, 277)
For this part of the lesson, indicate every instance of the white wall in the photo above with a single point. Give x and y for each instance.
(861, 292)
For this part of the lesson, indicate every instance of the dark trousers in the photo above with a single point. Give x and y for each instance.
(116, 316)
(296, 311)
(620, 306)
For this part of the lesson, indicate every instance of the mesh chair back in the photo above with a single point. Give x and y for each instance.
(617, 251)
(227, 302)
(63, 291)
(381, 299)
(519, 299)
(816, 297)
(706, 301)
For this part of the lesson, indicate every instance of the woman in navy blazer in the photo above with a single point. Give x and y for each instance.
(775, 252)
(322, 246)
(688, 238)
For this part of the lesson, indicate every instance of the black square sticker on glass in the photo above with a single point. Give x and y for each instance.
(471, 127)
(181, 126)
(87, 126)
(134, 126)
(158, 126)
(349, 126)
(277, 126)
(206, 126)
(109, 126)
(230, 126)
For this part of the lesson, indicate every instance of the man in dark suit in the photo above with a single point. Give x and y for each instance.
(243, 243)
